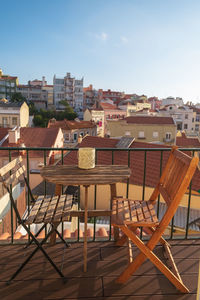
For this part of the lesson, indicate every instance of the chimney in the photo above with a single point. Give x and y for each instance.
(43, 81)
(23, 151)
(13, 136)
(80, 138)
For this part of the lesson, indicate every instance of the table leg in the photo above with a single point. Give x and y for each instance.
(85, 228)
(113, 192)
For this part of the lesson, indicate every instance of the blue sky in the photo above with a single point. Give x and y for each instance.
(147, 47)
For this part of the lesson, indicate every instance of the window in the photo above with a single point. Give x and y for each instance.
(179, 126)
(127, 133)
(75, 137)
(197, 127)
(155, 134)
(141, 135)
(81, 133)
(14, 121)
(4, 121)
(168, 136)
(192, 120)
(186, 116)
(185, 126)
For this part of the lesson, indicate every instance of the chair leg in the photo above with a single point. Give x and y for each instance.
(39, 246)
(146, 252)
(60, 236)
(123, 239)
(31, 241)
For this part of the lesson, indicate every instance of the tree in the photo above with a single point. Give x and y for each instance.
(38, 121)
(32, 109)
(18, 97)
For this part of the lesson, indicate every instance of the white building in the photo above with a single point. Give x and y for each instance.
(171, 100)
(183, 116)
(70, 89)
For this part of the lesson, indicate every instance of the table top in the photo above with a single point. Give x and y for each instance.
(101, 174)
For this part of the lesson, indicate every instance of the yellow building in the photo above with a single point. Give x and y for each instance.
(49, 89)
(14, 114)
(98, 116)
(149, 129)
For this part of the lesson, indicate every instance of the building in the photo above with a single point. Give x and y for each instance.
(33, 138)
(36, 91)
(150, 129)
(8, 85)
(90, 97)
(98, 117)
(184, 116)
(72, 130)
(184, 141)
(171, 100)
(70, 89)
(102, 113)
(14, 114)
(109, 94)
(49, 89)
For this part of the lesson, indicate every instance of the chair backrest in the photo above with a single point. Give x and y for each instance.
(12, 171)
(10, 175)
(174, 181)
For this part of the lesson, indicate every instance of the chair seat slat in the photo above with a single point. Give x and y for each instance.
(34, 210)
(135, 213)
(43, 210)
(59, 209)
(51, 209)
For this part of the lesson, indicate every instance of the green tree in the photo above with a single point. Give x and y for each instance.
(32, 109)
(18, 97)
(38, 121)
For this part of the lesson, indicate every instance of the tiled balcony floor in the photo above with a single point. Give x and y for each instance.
(105, 262)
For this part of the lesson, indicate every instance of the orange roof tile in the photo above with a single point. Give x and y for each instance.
(183, 141)
(149, 120)
(109, 106)
(33, 137)
(69, 125)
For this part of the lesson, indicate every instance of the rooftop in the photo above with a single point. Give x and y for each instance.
(69, 125)
(150, 120)
(31, 137)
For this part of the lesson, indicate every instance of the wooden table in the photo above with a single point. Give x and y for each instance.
(72, 175)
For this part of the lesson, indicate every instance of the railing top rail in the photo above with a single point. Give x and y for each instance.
(97, 149)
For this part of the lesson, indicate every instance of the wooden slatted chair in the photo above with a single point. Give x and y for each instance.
(128, 215)
(45, 210)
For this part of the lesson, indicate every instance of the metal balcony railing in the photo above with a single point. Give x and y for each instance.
(62, 152)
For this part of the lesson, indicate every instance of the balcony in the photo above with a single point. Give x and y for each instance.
(104, 264)
(40, 282)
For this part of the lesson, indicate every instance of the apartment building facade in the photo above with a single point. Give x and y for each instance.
(90, 97)
(8, 85)
(36, 92)
(149, 129)
(184, 116)
(70, 89)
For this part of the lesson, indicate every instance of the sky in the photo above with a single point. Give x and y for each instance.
(149, 47)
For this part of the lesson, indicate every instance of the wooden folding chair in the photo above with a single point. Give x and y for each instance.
(128, 215)
(45, 210)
